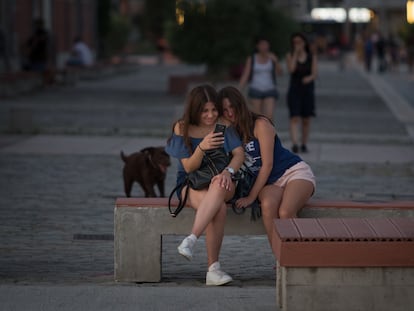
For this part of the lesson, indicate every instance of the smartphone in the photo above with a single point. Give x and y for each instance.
(220, 128)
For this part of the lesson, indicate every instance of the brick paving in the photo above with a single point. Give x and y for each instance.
(48, 199)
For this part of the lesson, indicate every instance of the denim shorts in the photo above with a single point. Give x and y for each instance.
(257, 94)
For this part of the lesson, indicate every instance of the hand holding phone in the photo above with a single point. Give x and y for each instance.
(220, 128)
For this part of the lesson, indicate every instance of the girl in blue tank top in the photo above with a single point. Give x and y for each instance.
(284, 183)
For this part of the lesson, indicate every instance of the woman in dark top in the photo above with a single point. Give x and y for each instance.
(284, 183)
(302, 65)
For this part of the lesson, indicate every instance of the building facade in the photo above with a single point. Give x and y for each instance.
(63, 20)
(388, 16)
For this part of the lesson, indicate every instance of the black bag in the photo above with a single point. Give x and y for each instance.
(245, 181)
(213, 163)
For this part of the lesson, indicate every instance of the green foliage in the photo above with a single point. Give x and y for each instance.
(104, 17)
(157, 12)
(103, 24)
(221, 34)
(407, 33)
(118, 34)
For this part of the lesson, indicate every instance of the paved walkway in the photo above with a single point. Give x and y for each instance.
(64, 181)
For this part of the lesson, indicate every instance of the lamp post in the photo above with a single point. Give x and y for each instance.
(410, 11)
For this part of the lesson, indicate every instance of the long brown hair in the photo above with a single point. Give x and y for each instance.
(245, 118)
(195, 102)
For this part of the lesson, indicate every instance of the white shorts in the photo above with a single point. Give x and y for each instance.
(301, 171)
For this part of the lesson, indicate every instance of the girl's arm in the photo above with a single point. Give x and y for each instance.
(246, 72)
(237, 158)
(265, 133)
(278, 68)
(212, 140)
(314, 71)
(291, 60)
(225, 178)
(194, 161)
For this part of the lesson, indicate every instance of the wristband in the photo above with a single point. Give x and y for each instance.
(202, 150)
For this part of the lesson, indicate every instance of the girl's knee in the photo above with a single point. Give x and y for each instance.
(286, 214)
(216, 187)
(268, 207)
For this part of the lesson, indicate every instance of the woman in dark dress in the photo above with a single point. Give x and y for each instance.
(302, 66)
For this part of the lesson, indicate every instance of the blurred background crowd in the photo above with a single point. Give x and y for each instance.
(40, 34)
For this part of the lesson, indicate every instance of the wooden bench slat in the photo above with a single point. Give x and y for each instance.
(287, 231)
(359, 229)
(405, 226)
(309, 229)
(335, 229)
(385, 229)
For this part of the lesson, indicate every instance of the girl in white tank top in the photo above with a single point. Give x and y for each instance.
(260, 71)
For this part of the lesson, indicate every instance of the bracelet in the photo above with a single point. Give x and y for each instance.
(202, 150)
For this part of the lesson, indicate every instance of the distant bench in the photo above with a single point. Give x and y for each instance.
(139, 224)
(345, 264)
(15, 83)
(72, 74)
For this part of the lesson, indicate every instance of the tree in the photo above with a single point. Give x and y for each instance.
(157, 13)
(221, 33)
(117, 37)
(103, 24)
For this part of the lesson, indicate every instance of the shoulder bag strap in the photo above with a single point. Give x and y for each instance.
(181, 201)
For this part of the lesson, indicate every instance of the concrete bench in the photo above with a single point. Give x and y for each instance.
(12, 84)
(71, 75)
(345, 264)
(140, 223)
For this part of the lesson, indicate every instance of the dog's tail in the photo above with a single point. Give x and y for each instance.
(123, 156)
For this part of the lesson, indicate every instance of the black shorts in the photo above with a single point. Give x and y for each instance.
(301, 101)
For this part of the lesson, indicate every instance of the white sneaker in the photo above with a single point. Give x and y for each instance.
(217, 277)
(186, 248)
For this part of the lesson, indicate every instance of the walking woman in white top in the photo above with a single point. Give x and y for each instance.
(260, 72)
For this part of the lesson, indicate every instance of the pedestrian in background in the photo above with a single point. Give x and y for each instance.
(368, 52)
(381, 53)
(302, 66)
(260, 72)
(37, 48)
(38, 53)
(410, 52)
(81, 54)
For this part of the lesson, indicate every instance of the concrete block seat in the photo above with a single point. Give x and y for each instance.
(72, 74)
(15, 83)
(139, 224)
(345, 263)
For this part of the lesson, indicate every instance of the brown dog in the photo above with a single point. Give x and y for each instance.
(148, 167)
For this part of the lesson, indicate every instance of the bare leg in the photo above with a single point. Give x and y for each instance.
(215, 234)
(294, 121)
(305, 130)
(270, 198)
(211, 217)
(269, 104)
(209, 206)
(256, 105)
(296, 194)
